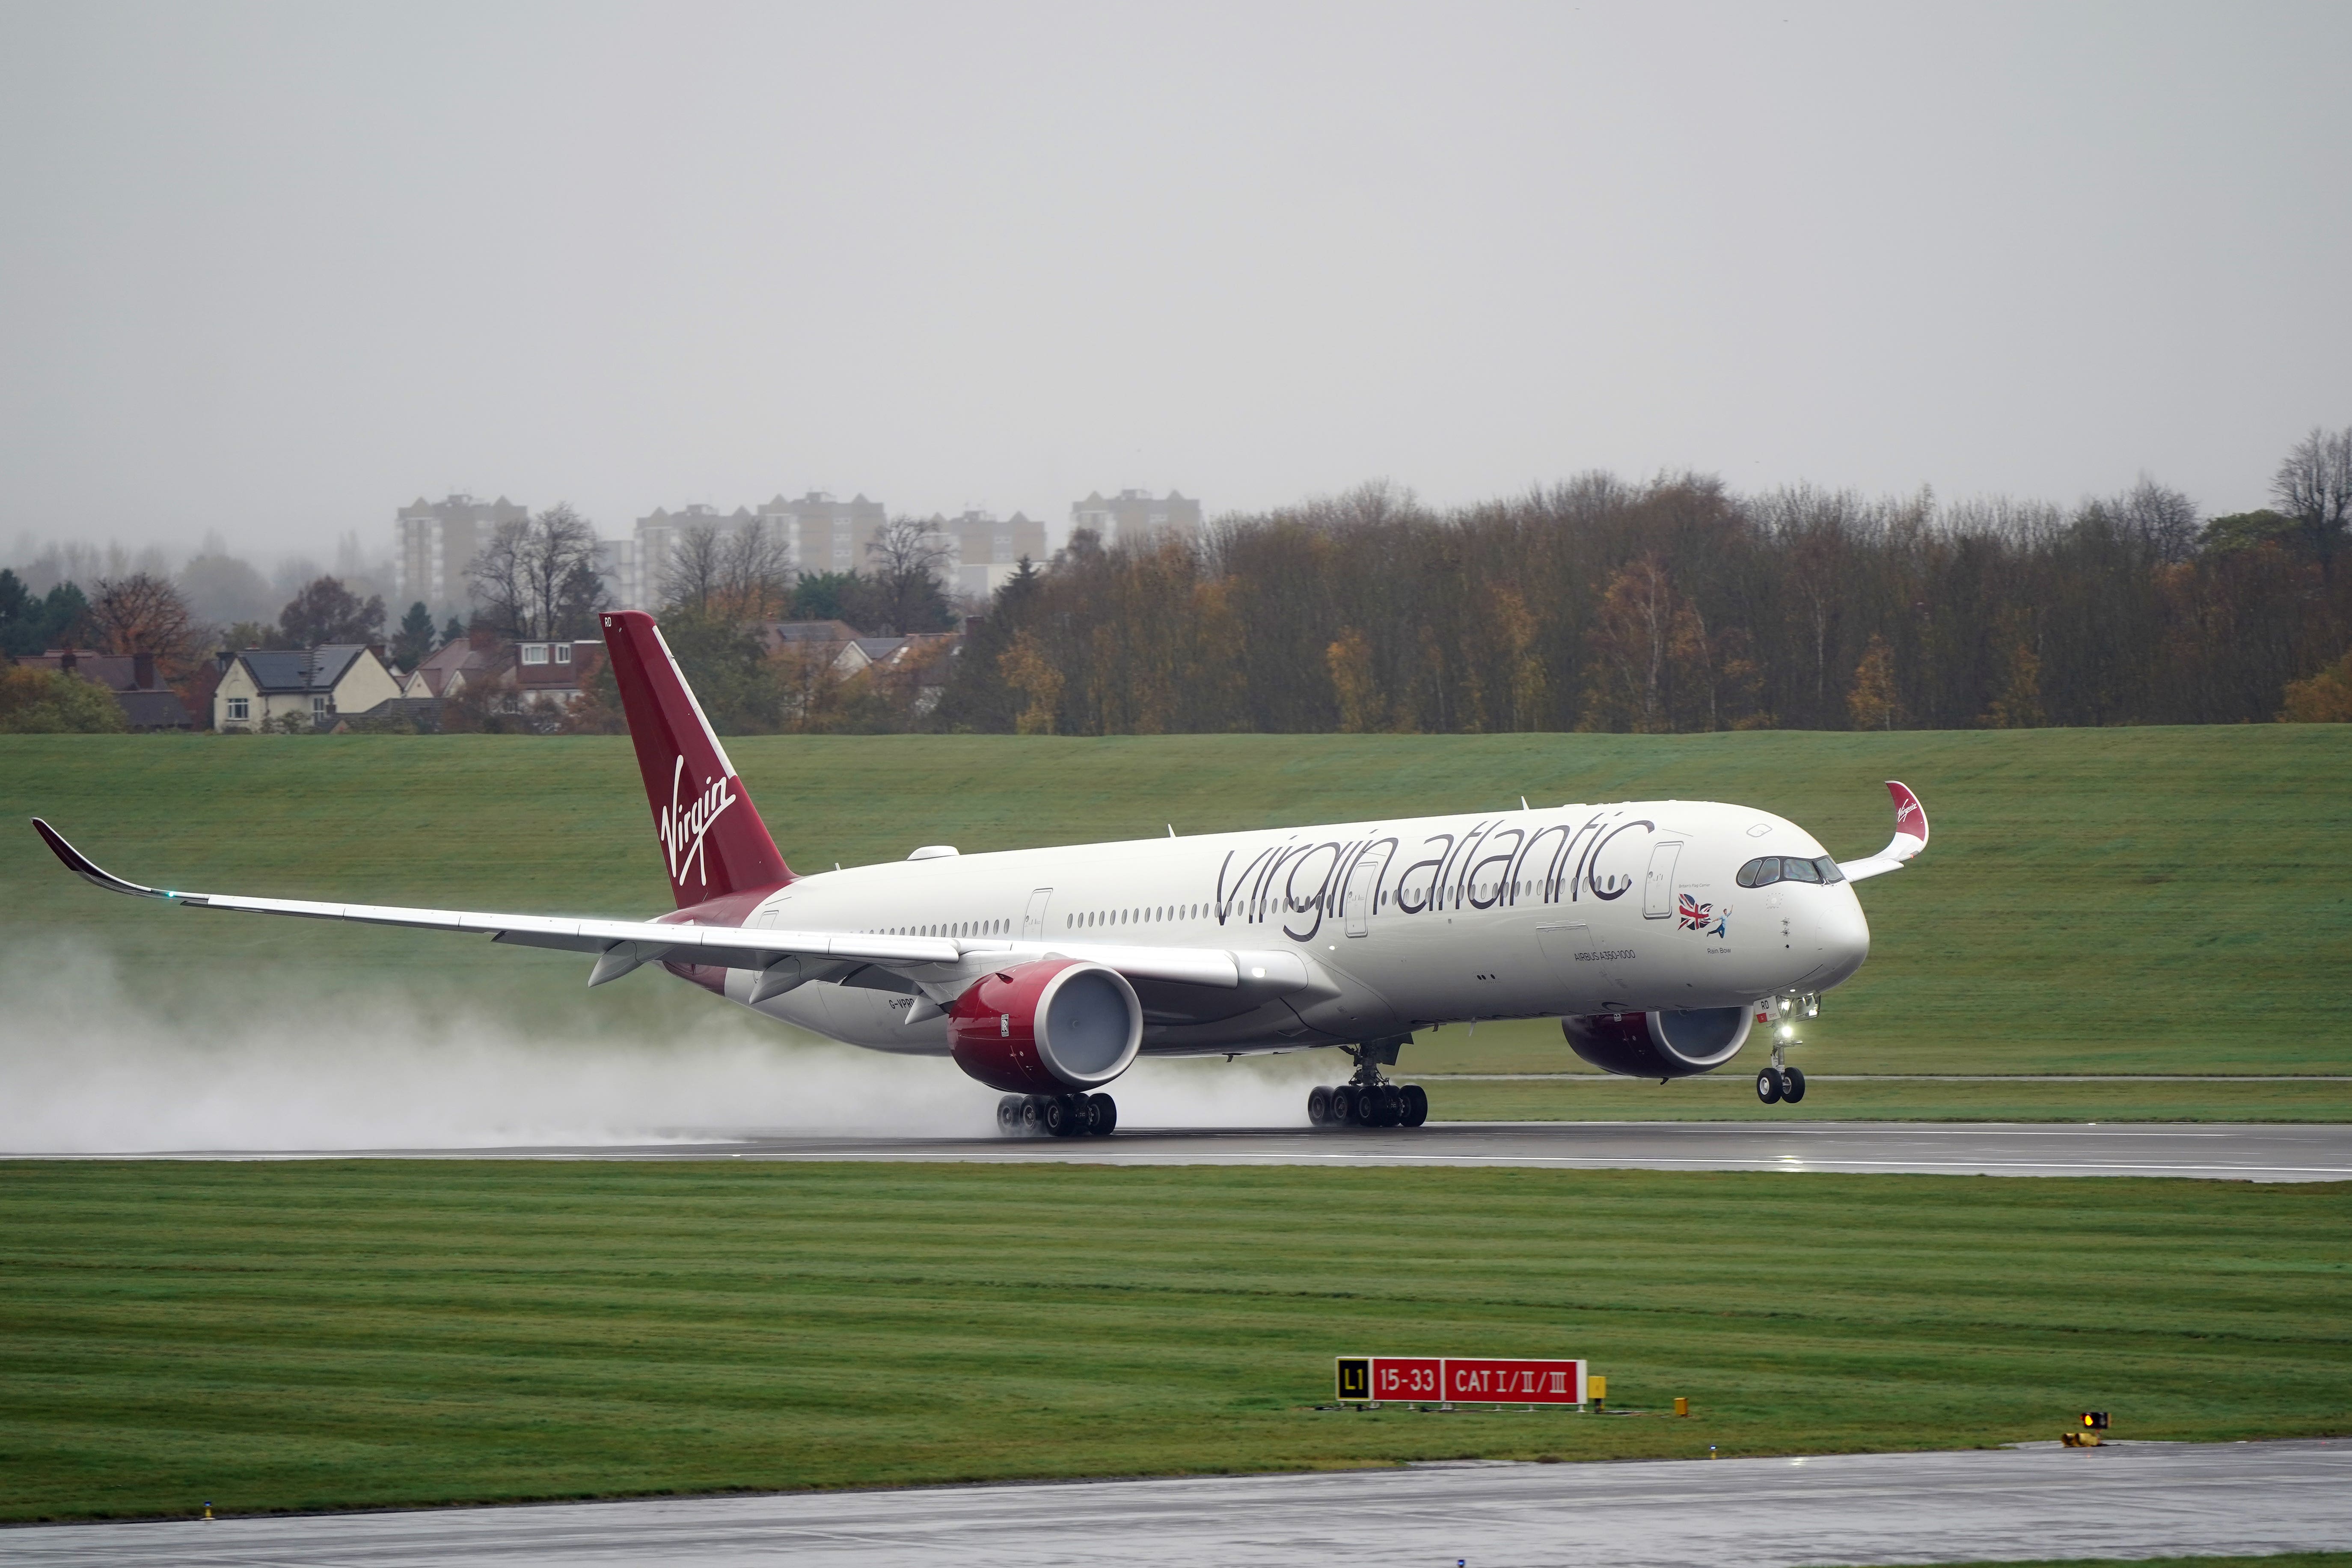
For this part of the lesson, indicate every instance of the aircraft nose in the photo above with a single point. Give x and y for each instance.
(1845, 937)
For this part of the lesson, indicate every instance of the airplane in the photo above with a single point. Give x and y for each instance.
(1659, 932)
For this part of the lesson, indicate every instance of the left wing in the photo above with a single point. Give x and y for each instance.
(622, 945)
(1910, 838)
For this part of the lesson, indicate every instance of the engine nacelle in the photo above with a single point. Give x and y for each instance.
(1672, 1044)
(1047, 1026)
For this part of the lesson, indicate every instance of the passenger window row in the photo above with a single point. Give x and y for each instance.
(1770, 869)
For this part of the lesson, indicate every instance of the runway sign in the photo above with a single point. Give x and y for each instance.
(1477, 1380)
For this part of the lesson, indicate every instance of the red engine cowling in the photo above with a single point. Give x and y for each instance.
(1672, 1044)
(1046, 1028)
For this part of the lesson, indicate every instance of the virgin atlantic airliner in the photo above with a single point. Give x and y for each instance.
(1659, 932)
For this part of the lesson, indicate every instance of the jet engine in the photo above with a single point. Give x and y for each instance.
(1668, 1044)
(1048, 1027)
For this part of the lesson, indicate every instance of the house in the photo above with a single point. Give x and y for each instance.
(147, 704)
(443, 673)
(553, 670)
(805, 635)
(264, 687)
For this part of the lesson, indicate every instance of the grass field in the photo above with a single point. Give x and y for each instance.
(2166, 900)
(331, 1334)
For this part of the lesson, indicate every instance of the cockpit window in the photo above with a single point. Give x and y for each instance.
(1768, 869)
(1760, 873)
(1830, 872)
(1798, 870)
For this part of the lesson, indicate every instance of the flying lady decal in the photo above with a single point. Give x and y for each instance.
(1705, 918)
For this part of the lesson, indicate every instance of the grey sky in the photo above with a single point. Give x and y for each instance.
(278, 269)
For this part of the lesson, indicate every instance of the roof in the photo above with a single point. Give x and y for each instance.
(154, 711)
(774, 632)
(456, 655)
(302, 669)
(115, 671)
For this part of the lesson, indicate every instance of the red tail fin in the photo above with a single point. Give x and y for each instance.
(713, 842)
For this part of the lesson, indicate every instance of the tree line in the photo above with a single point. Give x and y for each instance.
(1678, 605)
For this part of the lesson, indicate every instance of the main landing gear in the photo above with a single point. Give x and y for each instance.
(1368, 1100)
(1058, 1115)
(1780, 1083)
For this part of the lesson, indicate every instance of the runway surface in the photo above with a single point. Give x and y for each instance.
(2128, 1500)
(2237, 1151)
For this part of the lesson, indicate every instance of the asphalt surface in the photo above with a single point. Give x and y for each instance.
(2212, 1151)
(2128, 1500)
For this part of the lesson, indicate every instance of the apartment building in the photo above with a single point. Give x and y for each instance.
(984, 549)
(434, 541)
(1133, 517)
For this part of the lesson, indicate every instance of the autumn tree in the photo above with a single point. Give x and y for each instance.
(2019, 704)
(1873, 702)
(1029, 670)
(1630, 640)
(2322, 699)
(144, 614)
(1350, 660)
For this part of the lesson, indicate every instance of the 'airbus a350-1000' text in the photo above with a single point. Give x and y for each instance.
(1660, 934)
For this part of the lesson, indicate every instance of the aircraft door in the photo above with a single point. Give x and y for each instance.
(1363, 888)
(1658, 887)
(1033, 922)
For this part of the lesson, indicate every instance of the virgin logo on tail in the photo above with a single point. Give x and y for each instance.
(682, 827)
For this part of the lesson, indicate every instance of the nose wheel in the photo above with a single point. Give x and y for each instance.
(1781, 1084)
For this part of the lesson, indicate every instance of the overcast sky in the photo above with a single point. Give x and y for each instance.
(278, 269)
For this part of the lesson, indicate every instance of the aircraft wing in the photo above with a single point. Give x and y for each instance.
(1910, 838)
(621, 945)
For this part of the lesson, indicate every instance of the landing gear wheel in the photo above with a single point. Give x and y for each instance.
(1416, 1104)
(1032, 1114)
(1008, 1114)
(1794, 1089)
(1367, 1105)
(1057, 1118)
(1319, 1105)
(1768, 1086)
(1105, 1114)
(1343, 1105)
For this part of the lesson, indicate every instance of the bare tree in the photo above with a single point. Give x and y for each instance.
(528, 580)
(755, 572)
(906, 558)
(694, 573)
(2314, 486)
(2165, 518)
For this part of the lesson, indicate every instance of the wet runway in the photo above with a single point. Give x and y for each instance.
(2235, 1151)
(2128, 1500)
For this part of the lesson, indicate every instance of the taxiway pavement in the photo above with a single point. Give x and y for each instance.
(2275, 1152)
(2126, 1500)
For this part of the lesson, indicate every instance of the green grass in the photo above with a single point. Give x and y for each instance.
(2121, 901)
(340, 1334)
(2274, 1560)
(1730, 1096)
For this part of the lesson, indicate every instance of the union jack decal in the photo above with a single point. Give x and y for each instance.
(1695, 916)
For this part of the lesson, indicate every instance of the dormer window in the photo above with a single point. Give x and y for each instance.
(563, 653)
(534, 653)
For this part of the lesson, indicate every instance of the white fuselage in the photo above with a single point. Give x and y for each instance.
(1363, 931)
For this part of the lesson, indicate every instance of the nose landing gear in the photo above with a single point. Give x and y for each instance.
(1056, 1115)
(1780, 1083)
(1369, 1099)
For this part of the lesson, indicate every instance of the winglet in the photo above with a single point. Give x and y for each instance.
(88, 870)
(1910, 837)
